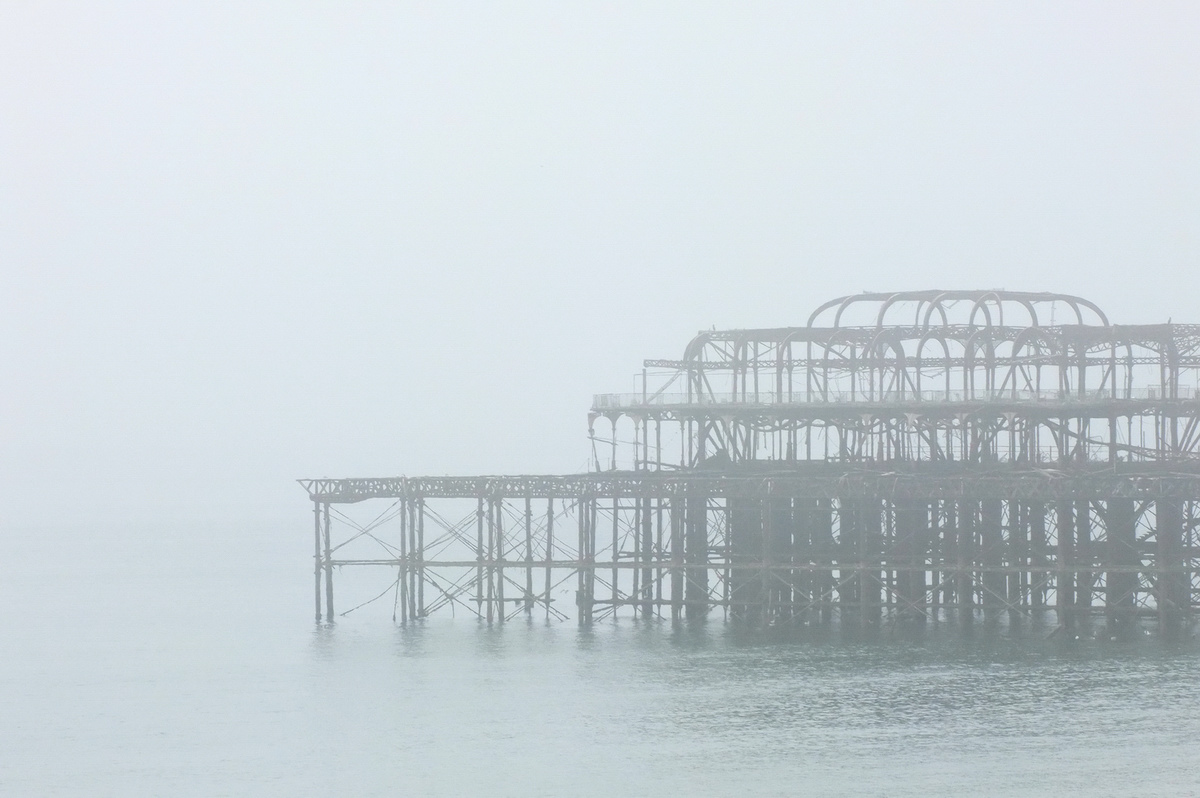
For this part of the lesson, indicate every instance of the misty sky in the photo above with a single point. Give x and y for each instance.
(242, 243)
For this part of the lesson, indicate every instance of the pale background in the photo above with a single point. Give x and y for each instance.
(242, 243)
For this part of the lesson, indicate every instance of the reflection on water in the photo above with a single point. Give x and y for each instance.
(632, 707)
(215, 683)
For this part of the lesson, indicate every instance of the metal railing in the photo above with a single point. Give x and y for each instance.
(606, 401)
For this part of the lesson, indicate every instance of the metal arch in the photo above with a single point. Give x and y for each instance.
(826, 306)
(969, 347)
(936, 302)
(935, 299)
(884, 340)
(981, 304)
(696, 346)
(827, 345)
(937, 335)
(932, 303)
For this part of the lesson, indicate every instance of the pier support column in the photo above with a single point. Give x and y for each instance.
(1064, 582)
(528, 556)
(824, 552)
(317, 557)
(646, 531)
(675, 517)
(480, 552)
(1039, 560)
(696, 556)
(849, 571)
(328, 565)
(1172, 581)
(1122, 558)
(1017, 560)
(549, 584)
(420, 576)
(964, 546)
(949, 560)
(746, 545)
(912, 519)
(490, 557)
(779, 579)
(587, 560)
(870, 558)
(1085, 580)
(991, 543)
(804, 597)
(402, 577)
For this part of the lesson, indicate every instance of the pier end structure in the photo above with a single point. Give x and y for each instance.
(901, 459)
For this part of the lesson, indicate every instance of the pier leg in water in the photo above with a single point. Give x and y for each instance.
(696, 555)
(746, 538)
(1064, 582)
(328, 567)
(675, 515)
(1122, 558)
(991, 542)
(1170, 566)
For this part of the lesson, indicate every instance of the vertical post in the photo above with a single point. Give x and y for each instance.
(675, 510)
(479, 552)
(592, 527)
(635, 591)
(696, 555)
(745, 539)
(803, 512)
(949, 557)
(964, 586)
(1039, 562)
(911, 521)
(616, 546)
(491, 560)
(1084, 555)
(499, 538)
(823, 549)
(1122, 558)
(870, 553)
(421, 558)
(991, 540)
(659, 549)
(402, 577)
(412, 558)
(849, 571)
(582, 598)
(1173, 584)
(727, 554)
(328, 568)
(658, 443)
(1064, 585)
(647, 533)
(499, 559)
(549, 551)
(1018, 561)
(936, 558)
(613, 420)
(528, 556)
(317, 556)
(779, 550)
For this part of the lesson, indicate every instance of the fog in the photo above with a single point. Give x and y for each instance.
(245, 243)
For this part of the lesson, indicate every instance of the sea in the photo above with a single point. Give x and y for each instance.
(152, 660)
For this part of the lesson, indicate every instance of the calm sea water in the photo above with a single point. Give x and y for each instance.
(140, 663)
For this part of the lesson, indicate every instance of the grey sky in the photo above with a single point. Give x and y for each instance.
(245, 243)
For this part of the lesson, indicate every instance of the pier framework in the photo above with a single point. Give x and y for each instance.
(900, 459)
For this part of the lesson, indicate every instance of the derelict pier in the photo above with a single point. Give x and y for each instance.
(908, 458)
